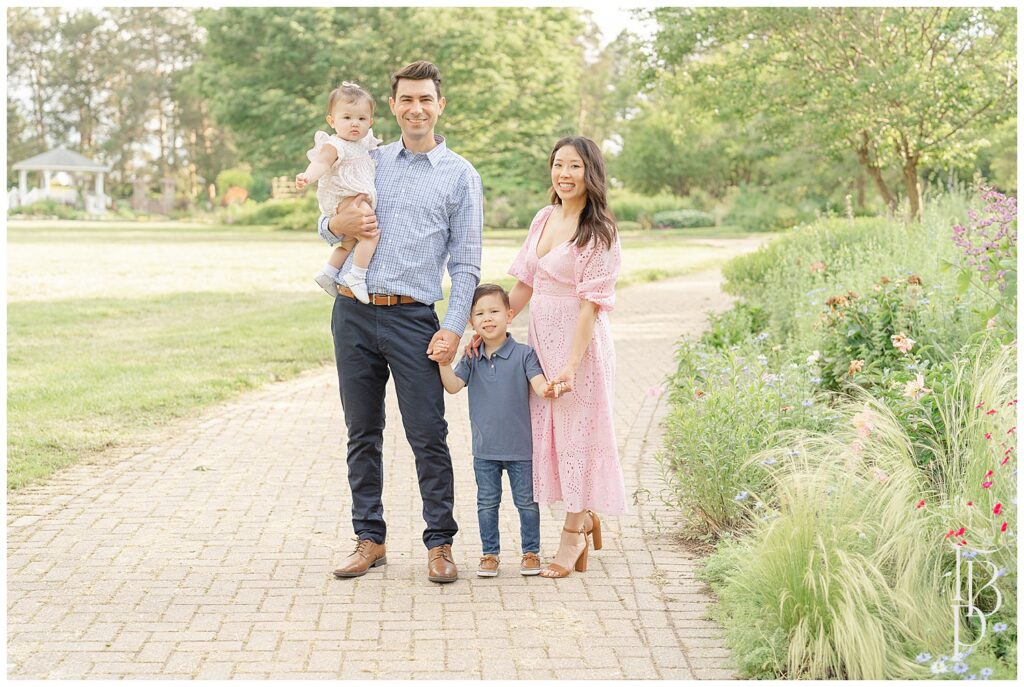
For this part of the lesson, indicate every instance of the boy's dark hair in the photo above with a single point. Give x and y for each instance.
(487, 290)
(416, 72)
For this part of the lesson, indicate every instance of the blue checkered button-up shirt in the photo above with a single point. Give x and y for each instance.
(430, 210)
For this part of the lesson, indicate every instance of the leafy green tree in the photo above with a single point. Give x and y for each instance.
(897, 86)
(21, 140)
(510, 77)
(111, 82)
(30, 63)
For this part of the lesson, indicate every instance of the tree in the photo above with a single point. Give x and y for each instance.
(608, 89)
(112, 83)
(31, 35)
(510, 77)
(894, 85)
(21, 140)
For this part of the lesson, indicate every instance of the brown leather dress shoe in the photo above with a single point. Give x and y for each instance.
(441, 565)
(368, 554)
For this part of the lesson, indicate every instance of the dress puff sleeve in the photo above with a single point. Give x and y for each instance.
(369, 141)
(321, 139)
(523, 267)
(596, 269)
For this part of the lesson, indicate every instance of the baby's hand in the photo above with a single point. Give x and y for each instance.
(301, 180)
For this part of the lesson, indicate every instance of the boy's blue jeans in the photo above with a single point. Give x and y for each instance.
(488, 499)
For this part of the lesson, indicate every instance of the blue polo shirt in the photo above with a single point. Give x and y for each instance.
(499, 400)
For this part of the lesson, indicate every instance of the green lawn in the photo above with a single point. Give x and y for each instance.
(153, 321)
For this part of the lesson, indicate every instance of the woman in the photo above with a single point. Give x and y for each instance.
(567, 270)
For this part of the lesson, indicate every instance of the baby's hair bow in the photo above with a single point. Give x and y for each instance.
(350, 83)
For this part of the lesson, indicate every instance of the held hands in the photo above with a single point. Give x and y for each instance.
(561, 384)
(443, 346)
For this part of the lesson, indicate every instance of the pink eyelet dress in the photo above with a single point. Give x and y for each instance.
(575, 454)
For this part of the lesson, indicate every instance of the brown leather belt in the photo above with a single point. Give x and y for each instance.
(378, 298)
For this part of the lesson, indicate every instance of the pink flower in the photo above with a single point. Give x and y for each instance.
(920, 504)
(864, 422)
(979, 406)
(991, 412)
(998, 509)
(970, 503)
(960, 531)
(902, 342)
(986, 485)
(1003, 528)
(988, 435)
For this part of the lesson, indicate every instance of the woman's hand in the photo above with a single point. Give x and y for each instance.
(301, 180)
(561, 384)
(472, 349)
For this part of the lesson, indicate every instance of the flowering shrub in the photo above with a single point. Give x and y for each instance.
(988, 246)
(883, 338)
(845, 570)
(734, 325)
(989, 242)
(839, 528)
(727, 406)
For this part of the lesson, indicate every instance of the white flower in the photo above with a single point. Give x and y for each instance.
(814, 357)
(915, 388)
(938, 668)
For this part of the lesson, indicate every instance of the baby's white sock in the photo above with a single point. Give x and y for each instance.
(331, 271)
(358, 272)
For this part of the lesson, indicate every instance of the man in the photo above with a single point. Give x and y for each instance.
(429, 210)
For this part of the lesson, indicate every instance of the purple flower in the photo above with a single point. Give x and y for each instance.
(960, 668)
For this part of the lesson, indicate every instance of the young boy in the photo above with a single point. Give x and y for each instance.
(499, 413)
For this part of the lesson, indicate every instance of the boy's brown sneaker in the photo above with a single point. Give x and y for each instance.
(488, 566)
(530, 564)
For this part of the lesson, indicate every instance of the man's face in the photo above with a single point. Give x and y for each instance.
(416, 107)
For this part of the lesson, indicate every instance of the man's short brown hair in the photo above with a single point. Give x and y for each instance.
(417, 71)
(487, 290)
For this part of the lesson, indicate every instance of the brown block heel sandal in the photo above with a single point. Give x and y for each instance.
(595, 530)
(581, 560)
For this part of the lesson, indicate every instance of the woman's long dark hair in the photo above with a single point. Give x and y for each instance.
(596, 220)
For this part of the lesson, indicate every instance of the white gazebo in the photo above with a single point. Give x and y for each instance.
(56, 161)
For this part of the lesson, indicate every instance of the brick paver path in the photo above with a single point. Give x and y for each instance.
(209, 554)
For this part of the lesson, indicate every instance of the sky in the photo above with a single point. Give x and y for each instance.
(612, 19)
